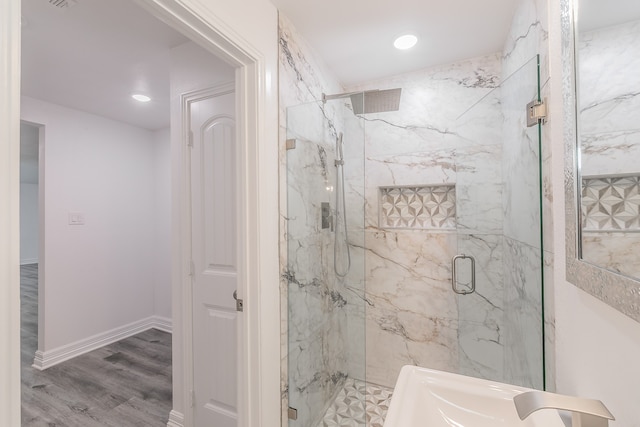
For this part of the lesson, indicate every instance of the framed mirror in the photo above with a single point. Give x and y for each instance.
(601, 58)
(608, 112)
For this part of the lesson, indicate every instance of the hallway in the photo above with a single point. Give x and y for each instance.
(127, 383)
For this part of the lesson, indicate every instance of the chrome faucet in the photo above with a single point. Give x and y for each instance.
(585, 412)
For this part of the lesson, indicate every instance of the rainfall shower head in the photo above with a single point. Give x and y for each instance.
(371, 101)
(63, 3)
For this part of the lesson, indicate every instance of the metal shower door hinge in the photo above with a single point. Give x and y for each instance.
(291, 144)
(536, 113)
(293, 413)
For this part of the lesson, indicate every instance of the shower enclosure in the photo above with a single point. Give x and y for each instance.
(382, 207)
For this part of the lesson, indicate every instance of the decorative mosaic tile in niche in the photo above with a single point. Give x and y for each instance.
(611, 203)
(420, 207)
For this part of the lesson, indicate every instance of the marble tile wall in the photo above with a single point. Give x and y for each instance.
(522, 248)
(609, 101)
(498, 330)
(481, 314)
(354, 282)
(439, 136)
(616, 251)
(316, 319)
(314, 303)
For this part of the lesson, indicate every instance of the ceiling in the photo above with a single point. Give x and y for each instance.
(94, 55)
(355, 37)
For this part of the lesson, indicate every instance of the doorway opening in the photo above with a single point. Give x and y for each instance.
(115, 186)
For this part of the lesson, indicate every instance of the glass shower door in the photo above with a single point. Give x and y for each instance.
(498, 212)
(325, 262)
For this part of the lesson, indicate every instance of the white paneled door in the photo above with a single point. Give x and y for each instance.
(214, 237)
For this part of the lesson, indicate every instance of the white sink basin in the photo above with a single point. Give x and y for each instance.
(425, 397)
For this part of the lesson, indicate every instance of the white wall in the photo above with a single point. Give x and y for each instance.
(194, 68)
(254, 33)
(596, 346)
(597, 353)
(98, 276)
(28, 223)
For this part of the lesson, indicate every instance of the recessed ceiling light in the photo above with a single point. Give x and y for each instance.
(405, 42)
(140, 97)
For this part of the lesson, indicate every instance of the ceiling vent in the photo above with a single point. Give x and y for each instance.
(63, 3)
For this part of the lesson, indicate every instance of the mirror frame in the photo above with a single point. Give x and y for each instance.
(618, 291)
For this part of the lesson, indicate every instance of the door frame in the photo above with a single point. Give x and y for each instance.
(41, 232)
(256, 106)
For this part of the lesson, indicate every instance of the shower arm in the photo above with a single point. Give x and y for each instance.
(326, 97)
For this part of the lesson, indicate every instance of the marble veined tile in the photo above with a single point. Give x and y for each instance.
(616, 251)
(520, 163)
(523, 322)
(481, 314)
(526, 37)
(432, 101)
(479, 189)
(323, 314)
(609, 101)
(411, 311)
(609, 91)
(610, 152)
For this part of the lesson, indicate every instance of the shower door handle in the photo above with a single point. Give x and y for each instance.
(454, 278)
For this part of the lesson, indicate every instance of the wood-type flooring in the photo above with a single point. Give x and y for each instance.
(124, 384)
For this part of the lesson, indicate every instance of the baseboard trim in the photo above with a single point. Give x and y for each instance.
(164, 324)
(176, 419)
(28, 261)
(49, 358)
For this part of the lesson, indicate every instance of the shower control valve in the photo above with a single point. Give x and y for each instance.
(326, 217)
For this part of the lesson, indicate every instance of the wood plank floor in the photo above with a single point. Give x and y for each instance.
(124, 384)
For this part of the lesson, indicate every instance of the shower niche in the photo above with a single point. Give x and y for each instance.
(380, 199)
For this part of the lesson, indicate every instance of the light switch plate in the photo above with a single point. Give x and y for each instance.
(76, 218)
